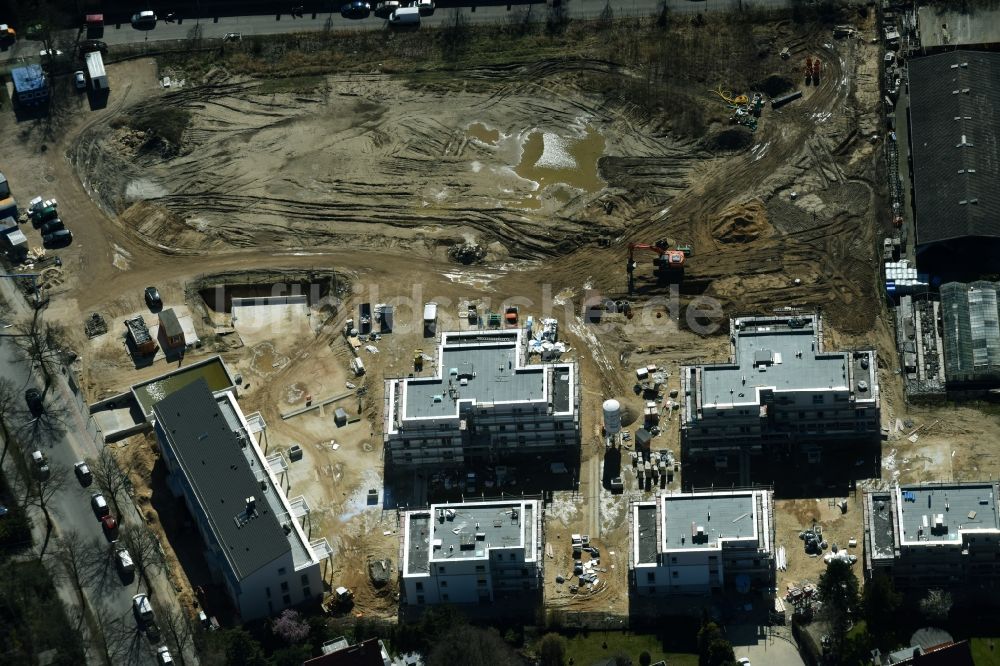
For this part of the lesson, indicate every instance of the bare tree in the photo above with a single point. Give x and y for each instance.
(112, 475)
(143, 546)
(7, 411)
(177, 631)
(37, 491)
(76, 554)
(43, 344)
(120, 640)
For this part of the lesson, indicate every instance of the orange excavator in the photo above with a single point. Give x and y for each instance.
(668, 263)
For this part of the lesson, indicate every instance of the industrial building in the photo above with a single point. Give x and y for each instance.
(483, 402)
(471, 552)
(970, 326)
(31, 86)
(940, 535)
(780, 387)
(254, 544)
(954, 108)
(702, 542)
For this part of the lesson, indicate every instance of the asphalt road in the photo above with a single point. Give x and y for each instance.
(64, 440)
(212, 27)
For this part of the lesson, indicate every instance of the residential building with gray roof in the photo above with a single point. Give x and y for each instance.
(483, 401)
(940, 535)
(780, 386)
(702, 542)
(254, 544)
(471, 552)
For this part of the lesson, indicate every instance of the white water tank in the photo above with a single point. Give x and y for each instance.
(612, 417)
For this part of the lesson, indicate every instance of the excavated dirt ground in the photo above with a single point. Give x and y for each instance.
(377, 179)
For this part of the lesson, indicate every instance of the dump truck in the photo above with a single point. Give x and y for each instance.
(95, 72)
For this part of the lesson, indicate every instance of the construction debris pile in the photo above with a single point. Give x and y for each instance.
(587, 571)
(746, 109)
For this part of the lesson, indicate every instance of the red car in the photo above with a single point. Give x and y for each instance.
(110, 527)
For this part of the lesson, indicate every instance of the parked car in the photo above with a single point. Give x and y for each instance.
(110, 527)
(144, 20)
(50, 53)
(153, 299)
(124, 562)
(384, 10)
(4, 187)
(99, 505)
(426, 7)
(233, 37)
(142, 609)
(405, 17)
(356, 10)
(52, 226)
(83, 475)
(79, 80)
(33, 398)
(163, 655)
(41, 464)
(58, 238)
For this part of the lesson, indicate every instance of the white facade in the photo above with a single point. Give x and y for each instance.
(289, 574)
(471, 552)
(483, 401)
(780, 386)
(697, 543)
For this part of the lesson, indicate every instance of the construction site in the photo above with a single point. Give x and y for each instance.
(287, 212)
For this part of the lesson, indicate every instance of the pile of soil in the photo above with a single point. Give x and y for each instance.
(743, 223)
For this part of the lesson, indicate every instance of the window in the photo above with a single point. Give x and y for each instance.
(444, 583)
(650, 577)
(287, 600)
(675, 574)
(420, 598)
(818, 399)
(480, 568)
(441, 570)
(420, 587)
(284, 586)
(482, 582)
(306, 592)
(281, 571)
(268, 591)
(305, 579)
(673, 560)
(513, 556)
(444, 597)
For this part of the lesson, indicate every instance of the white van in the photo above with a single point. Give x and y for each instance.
(426, 7)
(405, 17)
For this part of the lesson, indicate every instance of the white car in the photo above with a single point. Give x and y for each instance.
(426, 7)
(79, 80)
(743, 661)
(144, 20)
(50, 53)
(163, 655)
(124, 560)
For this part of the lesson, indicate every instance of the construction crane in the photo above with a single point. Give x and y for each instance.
(667, 263)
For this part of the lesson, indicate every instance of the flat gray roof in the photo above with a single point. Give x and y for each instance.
(210, 456)
(880, 522)
(418, 540)
(489, 366)
(942, 27)
(961, 507)
(474, 529)
(773, 355)
(646, 524)
(721, 516)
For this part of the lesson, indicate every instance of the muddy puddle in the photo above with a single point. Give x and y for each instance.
(558, 165)
(484, 134)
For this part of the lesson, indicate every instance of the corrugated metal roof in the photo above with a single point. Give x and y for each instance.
(971, 330)
(210, 457)
(954, 113)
